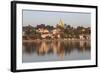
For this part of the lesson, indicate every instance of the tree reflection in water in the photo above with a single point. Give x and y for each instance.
(59, 48)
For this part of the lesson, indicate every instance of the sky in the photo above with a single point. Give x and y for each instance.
(34, 18)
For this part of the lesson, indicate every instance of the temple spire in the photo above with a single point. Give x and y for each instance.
(61, 23)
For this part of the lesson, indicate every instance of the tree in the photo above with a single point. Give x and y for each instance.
(28, 30)
(40, 26)
(48, 27)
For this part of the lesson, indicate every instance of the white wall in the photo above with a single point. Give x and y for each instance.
(5, 36)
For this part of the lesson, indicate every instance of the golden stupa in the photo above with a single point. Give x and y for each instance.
(61, 23)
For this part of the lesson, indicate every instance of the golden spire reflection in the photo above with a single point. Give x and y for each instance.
(59, 48)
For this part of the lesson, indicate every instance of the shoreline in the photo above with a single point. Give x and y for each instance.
(30, 40)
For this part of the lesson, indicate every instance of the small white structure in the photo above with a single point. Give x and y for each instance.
(41, 30)
(81, 37)
(88, 37)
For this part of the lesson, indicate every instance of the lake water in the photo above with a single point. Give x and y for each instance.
(43, 51)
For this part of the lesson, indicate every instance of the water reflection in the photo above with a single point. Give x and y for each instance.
(54, 47)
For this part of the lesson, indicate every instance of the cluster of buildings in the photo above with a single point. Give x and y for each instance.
(56, 32)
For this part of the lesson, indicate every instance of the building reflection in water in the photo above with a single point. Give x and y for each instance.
(59, 48)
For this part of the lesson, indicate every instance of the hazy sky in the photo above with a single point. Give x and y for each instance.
(31, 17)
